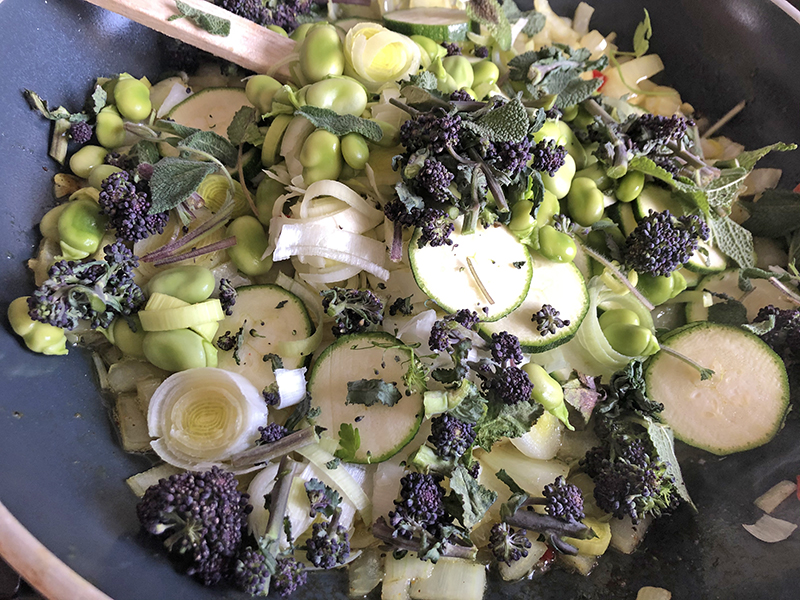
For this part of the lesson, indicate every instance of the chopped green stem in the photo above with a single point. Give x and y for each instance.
(207, 227)
(617, 273)
(216, 246)
(382, 531)
(470, 220)
(266, 452)
(279, 498)
(403, 106)
(533, 521)
(620, 166)
(704, 372)
(491, 180)
(482, 287)
(782, 287)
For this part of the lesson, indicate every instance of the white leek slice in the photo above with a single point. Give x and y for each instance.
(772, 498)
(769, 529)
(306, 346)
(335, 244)
(329, 187)
(202, 417)
(291, 386)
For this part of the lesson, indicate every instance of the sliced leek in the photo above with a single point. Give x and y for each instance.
(182, 317)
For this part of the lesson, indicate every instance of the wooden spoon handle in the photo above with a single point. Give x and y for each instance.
(248, 45)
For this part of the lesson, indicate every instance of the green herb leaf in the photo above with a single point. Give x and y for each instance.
(777, 213)
(577, 90)
(749, 158)
(145, 152)
(174, 128)
(733, 240)
(315, 490)
(762, 327)
(473, 498)
(722, 191)
(277, 361)
(207, 22)
(641, 37)
(503, 420)
(99, 99)
(507, 123)
(472, 406)
(370, 391)
(490, 14)
(690, 195)
(339, 125)
(243, 128)
(424, 80)
(58, 114)
(509, 481)
(536, 22)
(174, 180)
(349, 442)
(213, 144)
(664, 443)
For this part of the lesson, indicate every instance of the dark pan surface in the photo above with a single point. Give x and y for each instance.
(61, 471)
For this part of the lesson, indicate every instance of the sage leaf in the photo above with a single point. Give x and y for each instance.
(213, 144)
(340, 125)
(207, 22)
(174, 180)
(372, 391)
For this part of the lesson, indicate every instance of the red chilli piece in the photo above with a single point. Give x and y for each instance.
(598, 75)
(798, 477)
(796, 190)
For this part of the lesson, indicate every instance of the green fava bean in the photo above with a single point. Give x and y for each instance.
(559, 183)
(550, 130)
(271, 148)
(445, 82)
(132, 98)
(618, 315)
(191, 283)
(585, 202)
(546, 390)
(522, 221)
(110, 129)
(81, 226)
(555, 245)
(260, 90)
(126, 339)
(569, 113)
(655, 288)
(299, 34)
(100, 173)
(321, 157)
(87, 158)
(391, 135)
(321, 53)
(267, 192)
(340, 94)
(598, 174)
(678, 283)
(278, 30)
(485, 72)
(48, 226)
(460, 69)
(355, 150)
(630, 186)
(38, 337)
(251, 242)
(429, 47)
(547, 209)
(629, 339)
(178, 350)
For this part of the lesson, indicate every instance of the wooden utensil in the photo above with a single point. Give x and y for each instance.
(248, 45)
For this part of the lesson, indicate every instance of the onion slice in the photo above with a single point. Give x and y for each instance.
(202, 417)
(772, 498)
(769, 529)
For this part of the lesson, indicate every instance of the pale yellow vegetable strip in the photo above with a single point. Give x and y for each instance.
(313, 303)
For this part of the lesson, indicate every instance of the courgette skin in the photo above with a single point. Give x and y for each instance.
(741, 407)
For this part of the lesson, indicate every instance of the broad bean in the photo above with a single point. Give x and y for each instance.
(178, 350)
(260, 90)
(87, 158)
(267, 192)
(445, 82)
(630, 186)
(585, 202)
(99, 175)
(631, 340)
(522, 222)
(321, 53)
(559, 183)
(355, 150)
(110, 129)
(321, 157)
(618, 315)
(132, 98)
(279, 30)
(485, 72)
(658, 289)
(548, 207)
(251, 242)
(271, 148)
(597, 173)
(546, 390)
(340, 94)
(556, 245)
(126, 339)
(460, 69)
(39, 337)
(429, 48)
(81, 226)
(190, 283)
(299, 34)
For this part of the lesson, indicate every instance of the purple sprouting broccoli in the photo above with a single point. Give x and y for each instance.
(451, 436)
(289, 576)
(461, 96)
(272, 433)
(437, 131)
(128, 208)
(96, 291)
(548, 157)
(548, 321)
(435, 228)
(402, 215)
(227, 296)
(322, 498)
(481, 52)
(432, 182)
(401, 306)
(510, 385)
(446, 333)
(250, 572)
(353, 311)
(510, 157)
(650, 131)
(662, 243)
(420, 507)
(452, 48)
(564, 500)
(505, 348)
(507, 544)
(80, 132)
(283, 13)
(465, 317)
(329, 545)
(784, 337)
(200, 517)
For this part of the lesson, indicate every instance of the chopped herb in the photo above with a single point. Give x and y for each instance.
(281, 304)
(370, 391)
(277, 361)
(207, 22)
(349, 442)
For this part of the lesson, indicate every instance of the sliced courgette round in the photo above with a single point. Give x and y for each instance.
(267, 315)
(490, 260)
(211, 109)
(742, 406)
(384, 430)
(560, 285)
(438, 24)
(657, 199)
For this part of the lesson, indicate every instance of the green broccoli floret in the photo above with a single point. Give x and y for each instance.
(354, 311)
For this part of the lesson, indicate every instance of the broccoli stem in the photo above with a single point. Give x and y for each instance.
(267, 452)
(382, 531)
(279, 499)
(791, 296)
(533, 521)
(620, 166)
(617, 273)
(704, 372)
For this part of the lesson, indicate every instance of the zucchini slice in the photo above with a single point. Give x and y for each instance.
(267, 315)
(384, 430)
(707, 259)
(438, 24)
(559, 284)
(727, 282)
(741, 407)
(211, 109)
(495, 255)
(657, 199)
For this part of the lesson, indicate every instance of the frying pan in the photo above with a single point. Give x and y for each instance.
(61, 470)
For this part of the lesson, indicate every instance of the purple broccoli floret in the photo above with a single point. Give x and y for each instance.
(128, 208)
